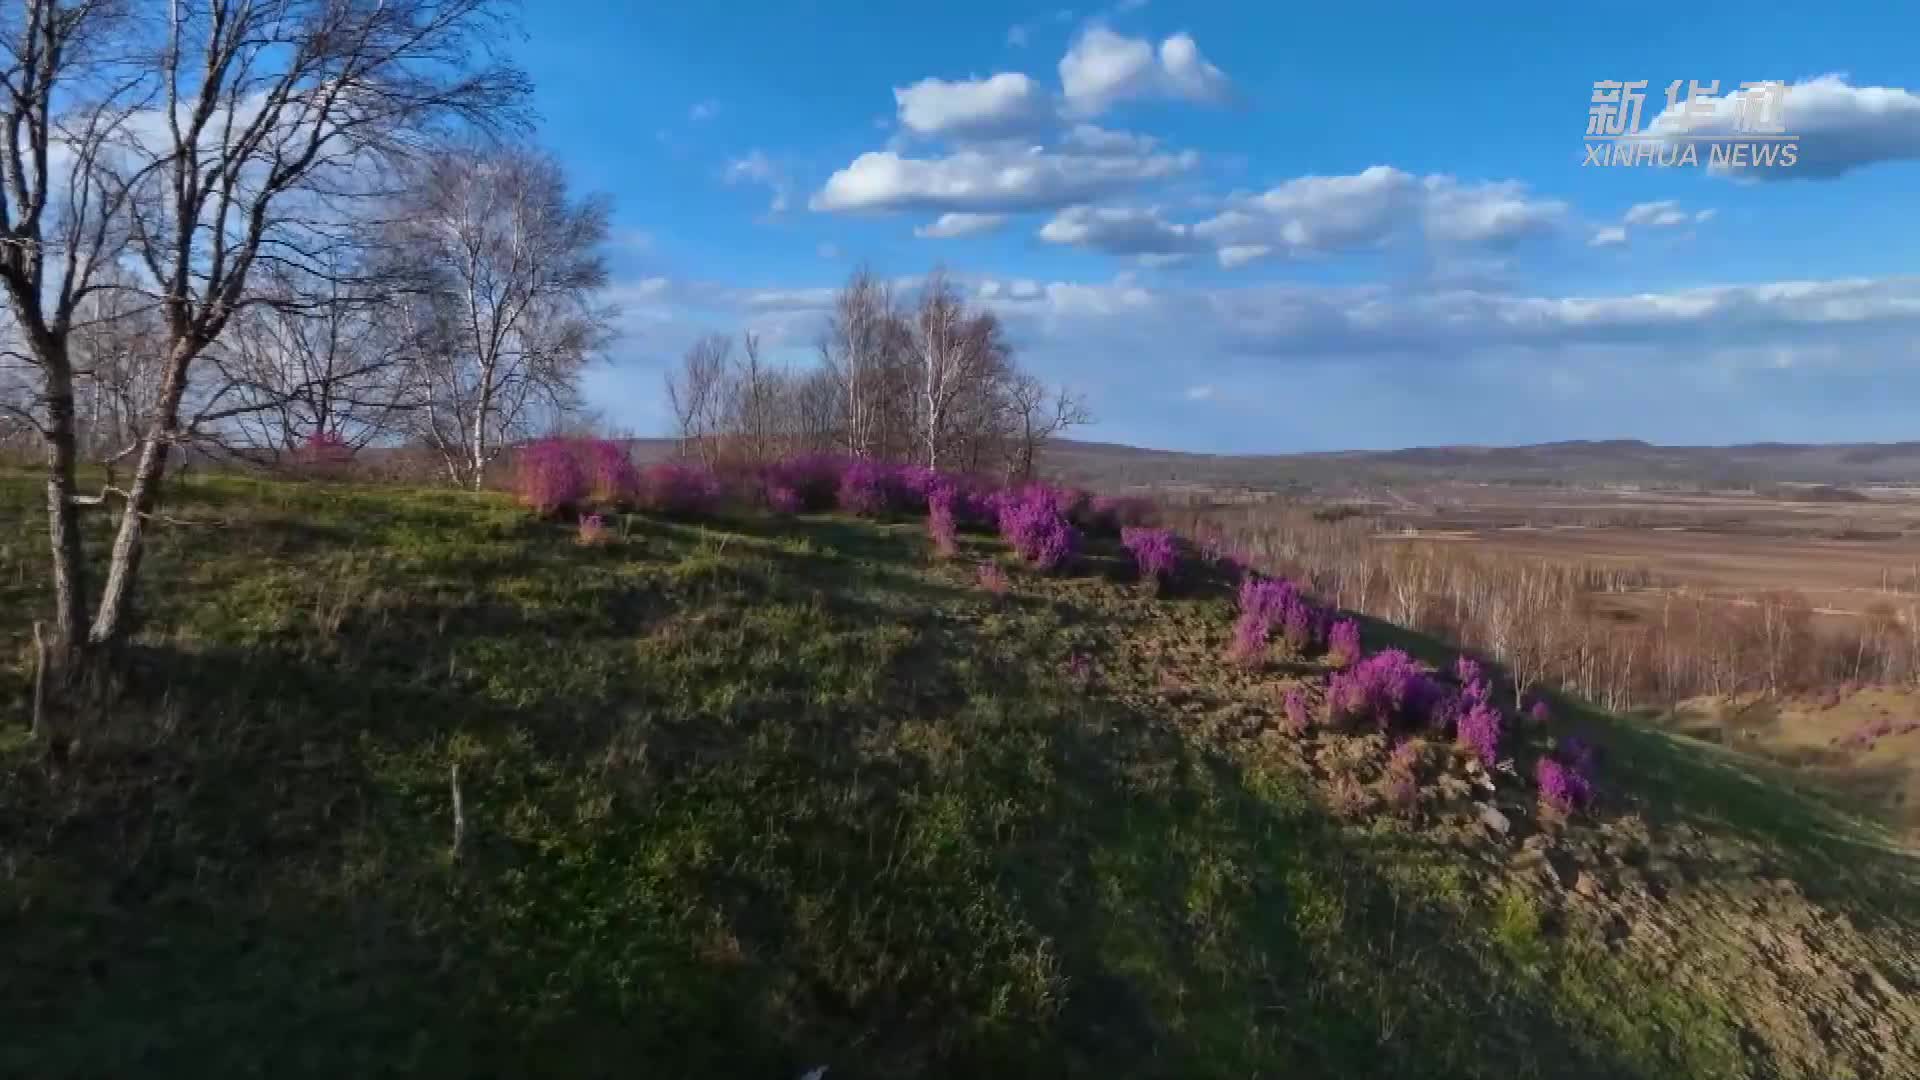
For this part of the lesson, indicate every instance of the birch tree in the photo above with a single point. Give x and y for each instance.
(196, 141)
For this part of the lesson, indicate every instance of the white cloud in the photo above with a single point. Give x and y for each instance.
(988, 179)
(1487, 214)
(1202, 392)
(1017, 36)
(1608, 236)
(1237, 255)
(1098, 140)
(1102, 68)
(703, 111)
(1003, 104)
(1315, 215)
(758, 168)
(1840, 127)
(948, 226)
(1664, 214)
(1118, 231)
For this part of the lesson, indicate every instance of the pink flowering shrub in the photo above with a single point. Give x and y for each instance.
(1296, 717)
(866, 488)
(1479, 731)
(782, 499)
(814, 479)
(1112, 515)
(1343, 643)
(1562, 786)
(1155, 552)
(1270, 604)
(677, 489)
(993, 579)
(324, 455)
(1385, 690)
(611, 478)
(593, 531)
(548, 478)
(1540, 713)
(941, 524)
(1032, 523)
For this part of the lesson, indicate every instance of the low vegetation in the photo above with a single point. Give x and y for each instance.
(749, 785)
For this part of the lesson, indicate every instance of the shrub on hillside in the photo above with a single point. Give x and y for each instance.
(782, 499)
(993, 579)
(611, 478)
(548, 477)
(1343, 643)
(941, 525)
(1479, 730)
(323, 456)
(865, 489)
(1033, 525)
(1296, 717)
(593, 531)
(814, 480)
(1385, 691)
(1562, 787)
(678, 489)
(1156, 552)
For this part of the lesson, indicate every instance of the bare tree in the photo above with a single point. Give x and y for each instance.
(959, 354)
(333, 360)
(860, 349)
(515, 266)
(698, 393)
(198, 140)
(1039, 415)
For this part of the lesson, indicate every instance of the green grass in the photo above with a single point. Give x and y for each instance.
(748, 796)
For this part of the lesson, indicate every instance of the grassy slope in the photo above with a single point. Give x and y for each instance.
(753, 796)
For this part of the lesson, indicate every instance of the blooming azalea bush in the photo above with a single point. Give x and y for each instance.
(548, 477)
(1479, 730)
(679, 489)
(942, 525)
(1387, 690)
(1032, 523)
(593, 531)
(1156, 552)
(1562, 787)
(993, 579)
(324, 455)
(782, 499)
(1296, 714)
(610, 476)
(1343, 643)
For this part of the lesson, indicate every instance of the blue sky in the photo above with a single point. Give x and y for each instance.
(1248, 227)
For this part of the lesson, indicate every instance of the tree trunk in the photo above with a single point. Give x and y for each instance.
(110, 621)
(63, 518)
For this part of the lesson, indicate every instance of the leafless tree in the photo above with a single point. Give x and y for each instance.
(334, 360)
(862, 348)
(514, 267)
(1039, 416)
(961, 357)
(198, 140)
(697, 393)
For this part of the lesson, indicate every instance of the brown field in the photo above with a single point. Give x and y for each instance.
(1845, 558)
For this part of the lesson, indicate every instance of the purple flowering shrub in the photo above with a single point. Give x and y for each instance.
(1039, 533)
(1112, 515)
(548, 478)
(1343, 643)
(1155, 552)
(324, 455)
(941, 525)
(678, 489)
(611, 478)
(782, 499)
(1479, 731)
(1385, 690)
(814, 479)
(866, 489)
(1562, 787)
(1540, 713)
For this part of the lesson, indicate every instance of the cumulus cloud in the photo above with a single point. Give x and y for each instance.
(1840, 127)
(1102, 68)
(703, 111)
(1007, 103)
(1316, 215)
(1118, 231)
(1663, 214)
(947, 226)
(989, 179)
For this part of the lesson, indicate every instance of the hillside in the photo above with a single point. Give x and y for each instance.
(1575, 463)
(754, 795)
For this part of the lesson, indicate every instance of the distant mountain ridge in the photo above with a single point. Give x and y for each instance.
(1573, 462)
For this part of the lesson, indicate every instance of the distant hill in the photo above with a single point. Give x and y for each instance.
(1574, 463)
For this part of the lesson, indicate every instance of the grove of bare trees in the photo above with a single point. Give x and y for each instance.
(926, 379)
(257, 226)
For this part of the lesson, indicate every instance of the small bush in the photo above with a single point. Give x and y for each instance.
(1297, 716)
(866, 489)
(1562, 787)
(782, 499)
(941, 525)
(1343, 643)
(548, 477)
(677, 489)
(1385, 690)
(1155, 552)
(1039, 533)
(611, 478)
(993, 579)
(1479, 731)
(593, 531)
